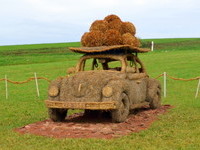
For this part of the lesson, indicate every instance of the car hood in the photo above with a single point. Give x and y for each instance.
(87, 85)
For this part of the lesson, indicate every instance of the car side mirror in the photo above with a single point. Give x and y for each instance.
(71, 70)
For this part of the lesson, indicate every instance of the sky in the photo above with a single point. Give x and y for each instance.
(58, 21)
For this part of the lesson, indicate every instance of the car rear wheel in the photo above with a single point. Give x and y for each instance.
(155, 101)
(121, 114)
(57, 115)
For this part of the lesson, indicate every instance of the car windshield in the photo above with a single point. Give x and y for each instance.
(100, 63)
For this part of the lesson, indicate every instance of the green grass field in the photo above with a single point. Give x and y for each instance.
(174, 44)
(178, 129)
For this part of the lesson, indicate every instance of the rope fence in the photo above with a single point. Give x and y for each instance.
(22, 82)
(164, 75)
(26, 81)
(180, 79)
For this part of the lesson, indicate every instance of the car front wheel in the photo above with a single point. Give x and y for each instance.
(122, 112)
(57, 115)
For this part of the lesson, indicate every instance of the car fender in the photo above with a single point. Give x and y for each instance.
(118, 87)
(54, 89)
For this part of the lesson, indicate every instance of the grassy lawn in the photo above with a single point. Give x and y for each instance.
(38, 46)
(178, 129)
(174, 44)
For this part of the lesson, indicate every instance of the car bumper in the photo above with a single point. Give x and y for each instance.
(82, 105)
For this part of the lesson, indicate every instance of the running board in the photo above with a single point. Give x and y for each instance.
(134, 106)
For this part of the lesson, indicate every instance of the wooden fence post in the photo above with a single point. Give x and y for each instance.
(152, 45)
(197, 89)
(6, 86)
(165, 84)
(36, 83)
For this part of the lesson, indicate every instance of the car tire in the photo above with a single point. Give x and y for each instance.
(155, 99)
(57, 115)
(121, 114)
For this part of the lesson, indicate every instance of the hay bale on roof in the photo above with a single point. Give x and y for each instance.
(83, 39)
(129, 39)
(99, 25)
(112, 37)
(112, 17)
(110, 32)
(128, 27)
(115, 24)
(137, 42)
(92, 39)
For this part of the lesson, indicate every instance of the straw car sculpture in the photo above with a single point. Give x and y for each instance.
(114, 81)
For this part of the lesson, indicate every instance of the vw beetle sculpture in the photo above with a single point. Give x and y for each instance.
(110, 80)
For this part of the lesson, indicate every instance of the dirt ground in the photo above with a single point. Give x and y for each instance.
(81, 126)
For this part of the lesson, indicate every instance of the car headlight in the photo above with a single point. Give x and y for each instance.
(107, 91)
(53, 91)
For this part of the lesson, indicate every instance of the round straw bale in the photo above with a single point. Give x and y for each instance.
(93, 38)
(128, 27)
(83, 42)
(100, 25)
(112, 17)
(112, 37)
(129, 39)
(137, 42)
(115, 24)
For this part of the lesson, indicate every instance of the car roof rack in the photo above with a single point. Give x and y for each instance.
(120, 49)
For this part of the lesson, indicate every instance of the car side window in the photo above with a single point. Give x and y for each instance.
(139, 65)
(110, 64)
(114, 65)
(100, 64)
(133, 65)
